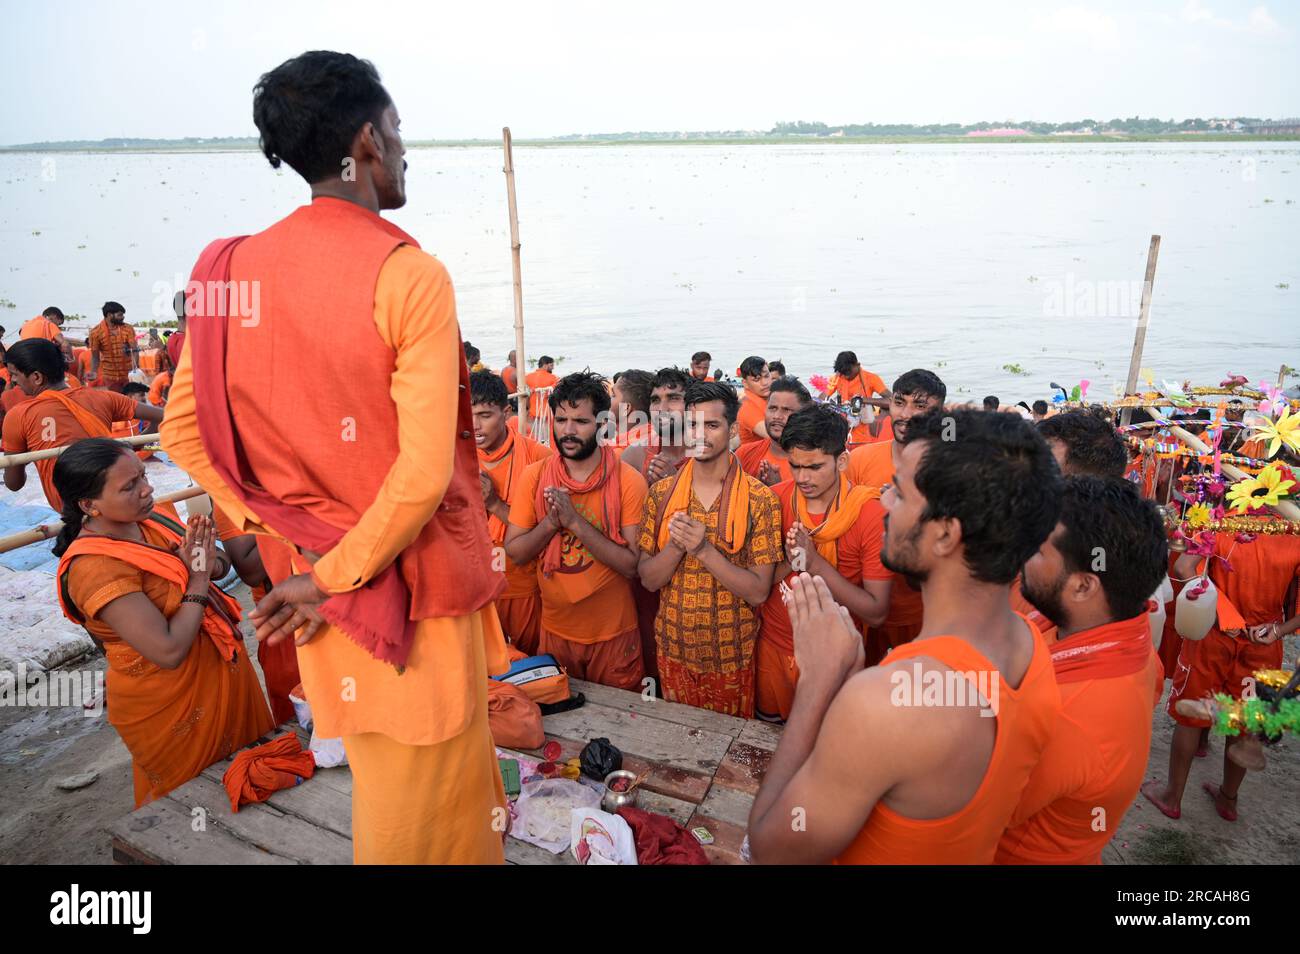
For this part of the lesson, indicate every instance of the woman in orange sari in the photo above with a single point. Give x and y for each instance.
(182, 692)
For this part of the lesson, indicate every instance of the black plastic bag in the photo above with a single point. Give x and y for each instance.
(599, 757)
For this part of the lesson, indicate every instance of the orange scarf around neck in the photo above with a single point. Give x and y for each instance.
(842, 514)
(733, 518)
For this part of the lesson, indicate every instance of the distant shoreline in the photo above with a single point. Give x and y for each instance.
(251, 146)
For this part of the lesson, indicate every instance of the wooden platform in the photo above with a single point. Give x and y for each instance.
(704, 770)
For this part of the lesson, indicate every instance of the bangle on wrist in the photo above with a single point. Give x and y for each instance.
(201, 598)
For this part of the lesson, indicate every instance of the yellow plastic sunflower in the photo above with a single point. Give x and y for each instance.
(1284, 430)
(1265, 490)
(1197, 515)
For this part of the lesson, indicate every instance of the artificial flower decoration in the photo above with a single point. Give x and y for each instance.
(1284, 431)
(1265, 490)
(820, 382)
(1273, 403)
(1198, 515)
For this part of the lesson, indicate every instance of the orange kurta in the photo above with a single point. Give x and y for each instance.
(755, 452)
(43, 422)
(174, 722)
(1096, 759)
(431, 718)
(753, 412)
(1025, 716)
(113, 344)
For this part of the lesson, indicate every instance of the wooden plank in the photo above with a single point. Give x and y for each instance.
(665, 743)
(743, 768)
(263, 825)
(728, 805)
(161, 832)
(633, 702)
(677, 809)
(761, 735)
(523, 853)
(664, 779)
(313, 801)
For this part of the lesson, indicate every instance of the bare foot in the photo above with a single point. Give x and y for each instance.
(1225, 806)
(1158, 796)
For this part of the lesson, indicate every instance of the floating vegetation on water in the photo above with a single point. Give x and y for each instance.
(1283, 285)
(941, 364)
(135, 274)
(6, 303)
(36, 231)
(1014, 369)
(1033, 278)
(81, 246)
(1268, 201)
(1099, 364)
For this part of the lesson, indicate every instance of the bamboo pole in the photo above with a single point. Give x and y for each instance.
(516, 267)
(1284, 508)
(46, 531)
(1140, 336)
(13, 460)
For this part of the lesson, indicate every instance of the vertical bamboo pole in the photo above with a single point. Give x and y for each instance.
(1140, 337)
(520, 363)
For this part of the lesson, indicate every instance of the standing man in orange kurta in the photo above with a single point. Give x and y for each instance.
(372, 481)
(113, 351)
(543, 377)
(1091, 578)
(503, 456)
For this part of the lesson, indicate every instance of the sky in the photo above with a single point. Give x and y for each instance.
(75, 69)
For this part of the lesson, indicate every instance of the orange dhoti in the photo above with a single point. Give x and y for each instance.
(611, 662)
(428, 804)
(731, 693)
(521, 621)
(777, 676)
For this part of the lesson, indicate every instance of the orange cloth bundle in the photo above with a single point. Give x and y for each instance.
(514, 719)
(258, 772)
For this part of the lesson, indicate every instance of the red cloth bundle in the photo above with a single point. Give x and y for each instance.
(258, 772)
(660, 840)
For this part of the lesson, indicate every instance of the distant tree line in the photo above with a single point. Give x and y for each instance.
(1134, 125)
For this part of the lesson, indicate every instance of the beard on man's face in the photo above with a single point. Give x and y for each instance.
(574, 448)
(903, 560)
(1048, 600)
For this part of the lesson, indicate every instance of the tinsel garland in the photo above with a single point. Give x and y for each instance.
(1236, 716)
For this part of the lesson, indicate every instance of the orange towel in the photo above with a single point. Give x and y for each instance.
(733, 520)
(839, 519)
(258, 772)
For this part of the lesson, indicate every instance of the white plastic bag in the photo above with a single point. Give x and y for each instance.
(329, 753)
(544, 809)
(599, 838)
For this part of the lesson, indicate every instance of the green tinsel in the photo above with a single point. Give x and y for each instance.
(1258, 715)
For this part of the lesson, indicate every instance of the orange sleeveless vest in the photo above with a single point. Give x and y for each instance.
(316, 270)
(970, 835)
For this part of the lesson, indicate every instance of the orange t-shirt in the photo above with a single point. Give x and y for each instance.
(753, 411)
(865, 384)
(520, 580)
(509, 376)
(156, 388)
(872, 465)
(906, 605)
(1097, 758)
(39, 424)
(1025, 717)
(40, 327)
(535, 380)
(610, 609)
(755, 452)
(857, 559)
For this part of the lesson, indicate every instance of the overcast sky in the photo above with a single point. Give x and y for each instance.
(92, 70)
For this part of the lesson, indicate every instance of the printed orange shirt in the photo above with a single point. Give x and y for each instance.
(610, 609)
(113, 344)
(701, 624)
